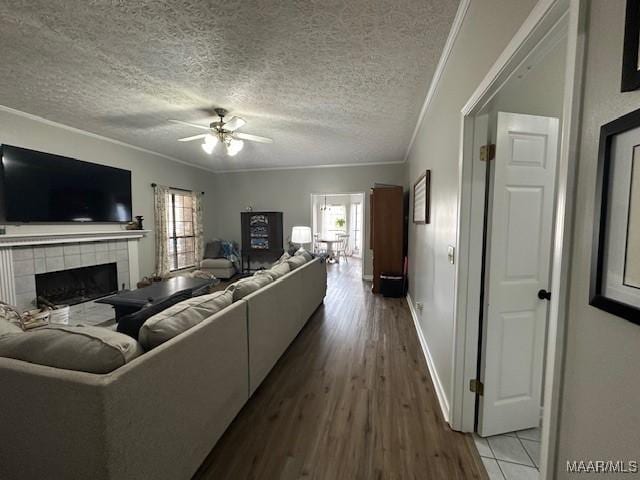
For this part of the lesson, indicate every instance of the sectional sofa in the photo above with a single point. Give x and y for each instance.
(159, 415)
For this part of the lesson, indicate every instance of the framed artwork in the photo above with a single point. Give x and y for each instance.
(421, 198)
(630, 60)
(615, 263)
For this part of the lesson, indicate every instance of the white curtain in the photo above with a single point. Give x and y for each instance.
(354, 226)
(198, 228)
(162, 203)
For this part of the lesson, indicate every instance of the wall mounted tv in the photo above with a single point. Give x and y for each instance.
(45, 188)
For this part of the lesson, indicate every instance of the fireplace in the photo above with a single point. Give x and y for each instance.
(78, 285)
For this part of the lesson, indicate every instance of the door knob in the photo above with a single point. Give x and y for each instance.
(544, 295)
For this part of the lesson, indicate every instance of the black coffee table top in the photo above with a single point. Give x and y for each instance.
(157, 291)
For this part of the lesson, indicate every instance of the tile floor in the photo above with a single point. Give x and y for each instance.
(512, 456)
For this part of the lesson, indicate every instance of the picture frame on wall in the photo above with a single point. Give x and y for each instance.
(630, 58)
(421, 199)
(615, 263)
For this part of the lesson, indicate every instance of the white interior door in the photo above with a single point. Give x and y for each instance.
(518, 262)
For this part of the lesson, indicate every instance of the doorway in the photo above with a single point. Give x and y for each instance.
(522, 123)
(518, 224)
(338, 226)
(513, 243)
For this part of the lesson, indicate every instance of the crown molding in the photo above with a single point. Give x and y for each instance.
(437, 75)
(307, 167)
(68, 128)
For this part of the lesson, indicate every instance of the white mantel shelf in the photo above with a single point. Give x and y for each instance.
(19, 239)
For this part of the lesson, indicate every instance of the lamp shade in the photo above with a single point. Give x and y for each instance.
(301, 235)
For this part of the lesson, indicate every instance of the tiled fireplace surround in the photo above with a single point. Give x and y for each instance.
(24, 256)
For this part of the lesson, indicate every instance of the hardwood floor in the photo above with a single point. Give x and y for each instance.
(350, 399)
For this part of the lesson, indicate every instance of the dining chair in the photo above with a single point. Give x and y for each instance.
(318, 247)
(342, 247)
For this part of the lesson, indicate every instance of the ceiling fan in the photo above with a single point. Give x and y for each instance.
(224, 132)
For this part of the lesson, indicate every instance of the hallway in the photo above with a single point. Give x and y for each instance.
(350, 399)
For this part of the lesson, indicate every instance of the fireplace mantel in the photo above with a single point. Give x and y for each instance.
(20, 240)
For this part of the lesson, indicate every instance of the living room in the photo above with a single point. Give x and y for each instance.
(186, 290)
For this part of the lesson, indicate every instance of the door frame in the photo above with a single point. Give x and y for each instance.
(541, 23)
(364, 231)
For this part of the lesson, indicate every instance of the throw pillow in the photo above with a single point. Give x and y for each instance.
(246, 286)
(261, 272)
(131, 324)
(212, 249)
(285, 256)
(8, 328)
(181, 317)
(305, 254)
(296, 261)
(279, 270)
(81, 348)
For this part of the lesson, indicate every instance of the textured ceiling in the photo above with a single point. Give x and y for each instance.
(332, 82)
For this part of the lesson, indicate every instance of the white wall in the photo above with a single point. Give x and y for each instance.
(289, 191)
(540, 91)
(600, 411)
(145, 168)
(487, 28)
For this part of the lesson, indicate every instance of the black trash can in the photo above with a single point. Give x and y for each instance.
(392, 285)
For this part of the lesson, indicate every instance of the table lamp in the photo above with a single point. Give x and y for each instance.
(301, 235)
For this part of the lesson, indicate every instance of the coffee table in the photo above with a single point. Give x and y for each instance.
(133, 300)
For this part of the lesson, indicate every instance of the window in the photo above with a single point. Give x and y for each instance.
(181, 237)
(334, 220)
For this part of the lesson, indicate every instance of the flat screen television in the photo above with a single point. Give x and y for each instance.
(45, 188)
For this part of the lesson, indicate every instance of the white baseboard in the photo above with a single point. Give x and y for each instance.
(437, 384)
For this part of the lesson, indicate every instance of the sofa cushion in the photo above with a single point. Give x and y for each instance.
(246, 286)
(296, 261)
(131, 324)
(81, 348)
(7, 327)
(181, 317)
(285, 256)
(305, 254)
(261, 272)
(215, 263)
(279, 270)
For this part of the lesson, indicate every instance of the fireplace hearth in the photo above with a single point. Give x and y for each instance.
(78, 285)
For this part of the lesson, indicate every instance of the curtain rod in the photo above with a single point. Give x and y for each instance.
(154, 185)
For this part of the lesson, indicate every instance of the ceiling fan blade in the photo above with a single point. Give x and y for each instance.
(195, 137)
(252, 138)
(234, 123)
(194, 125)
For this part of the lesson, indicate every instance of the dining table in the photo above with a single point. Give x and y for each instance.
(329, 242)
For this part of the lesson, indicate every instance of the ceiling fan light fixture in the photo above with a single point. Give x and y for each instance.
(208, 147)
(234, 147)
(223, 132)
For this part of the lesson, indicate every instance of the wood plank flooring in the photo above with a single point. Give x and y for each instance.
(350, 399)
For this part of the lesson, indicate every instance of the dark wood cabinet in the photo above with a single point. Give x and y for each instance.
(262, 237)
(387, 231)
